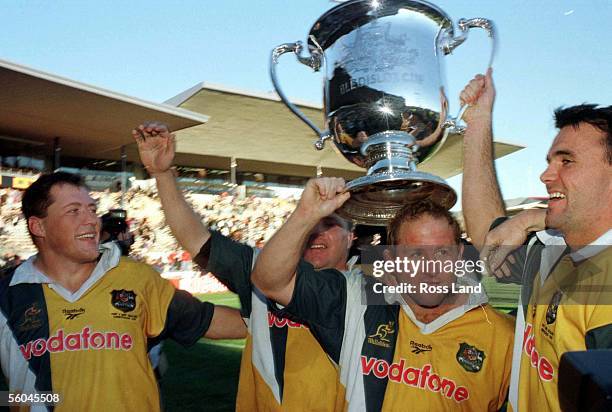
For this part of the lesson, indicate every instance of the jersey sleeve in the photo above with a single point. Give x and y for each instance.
(599, 325)
(599, 338)
(320, 298)
(599, 328)
(231, 262)
(188, 318)
(173, 313)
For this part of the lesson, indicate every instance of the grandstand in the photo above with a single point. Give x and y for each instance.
(242, 174)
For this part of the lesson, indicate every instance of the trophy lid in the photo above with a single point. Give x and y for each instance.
(346, 16)
(375, 199)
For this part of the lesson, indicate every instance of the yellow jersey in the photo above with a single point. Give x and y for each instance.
(390, 361)
(90, 346)
(570, 311)
(283, 366)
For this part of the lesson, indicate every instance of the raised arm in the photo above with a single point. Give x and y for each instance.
(274, 272)
(481, 197)
(157, 146)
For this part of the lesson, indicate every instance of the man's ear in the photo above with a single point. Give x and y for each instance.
(36, 227)
(351, 239)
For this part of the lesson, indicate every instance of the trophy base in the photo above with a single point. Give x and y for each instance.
(375, 199)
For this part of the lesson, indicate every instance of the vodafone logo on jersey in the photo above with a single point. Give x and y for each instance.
(421, 378)
(86, 339)
(275, 321)
(537, 361)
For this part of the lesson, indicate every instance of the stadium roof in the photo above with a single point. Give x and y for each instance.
(214, 124)
(260, 132)
(90, 121)
(519, 204)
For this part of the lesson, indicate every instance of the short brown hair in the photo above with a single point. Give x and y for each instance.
(413, 211)
(37, 198)
(598, 117)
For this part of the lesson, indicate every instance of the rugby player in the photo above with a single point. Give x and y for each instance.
(283, 366)
(565, 266)
(420, 351)
(76, 317)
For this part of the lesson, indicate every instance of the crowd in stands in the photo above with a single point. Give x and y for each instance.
(249, 220)
(19, 171)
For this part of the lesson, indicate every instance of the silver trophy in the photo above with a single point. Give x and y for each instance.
(384, 97)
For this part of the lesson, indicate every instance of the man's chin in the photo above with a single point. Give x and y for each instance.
(318, 265)
(314, 258)
(430, 302)
(89, 256)
(553, 221)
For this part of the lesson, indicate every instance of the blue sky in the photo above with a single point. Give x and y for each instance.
(550, 53)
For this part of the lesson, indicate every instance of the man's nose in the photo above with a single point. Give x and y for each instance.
(549, 174)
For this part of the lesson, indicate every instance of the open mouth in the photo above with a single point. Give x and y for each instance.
(317, 246)
(555, 197)
(86, 236)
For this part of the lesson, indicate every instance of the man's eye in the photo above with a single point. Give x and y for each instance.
(566, 161)
(441, 253)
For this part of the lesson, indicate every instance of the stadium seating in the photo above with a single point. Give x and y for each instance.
(250, 220)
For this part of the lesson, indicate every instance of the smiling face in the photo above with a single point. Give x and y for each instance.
(429, 239)
(71, 227)
(579, 183)
(328, 244)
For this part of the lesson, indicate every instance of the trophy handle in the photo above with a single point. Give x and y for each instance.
(314, 61)
(451, 44)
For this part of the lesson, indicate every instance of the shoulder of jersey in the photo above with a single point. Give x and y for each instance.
(503, 322)
(133, 268)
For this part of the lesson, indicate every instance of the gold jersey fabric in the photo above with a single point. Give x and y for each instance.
(463, 366)
(90, 346)
(390, 361)
(571, 302)
(93, 342)
(283, 366)
(308, 371)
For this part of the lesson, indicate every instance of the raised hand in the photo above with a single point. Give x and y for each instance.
(321, 197)
(156, 146)
(479, 95)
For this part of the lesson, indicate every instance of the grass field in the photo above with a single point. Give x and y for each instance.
(502, 296)
(205, 376)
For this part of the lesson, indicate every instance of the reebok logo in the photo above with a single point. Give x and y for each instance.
(420, 378)
(419, 347)
(84, 340)
(72, 313)
(275, 321)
